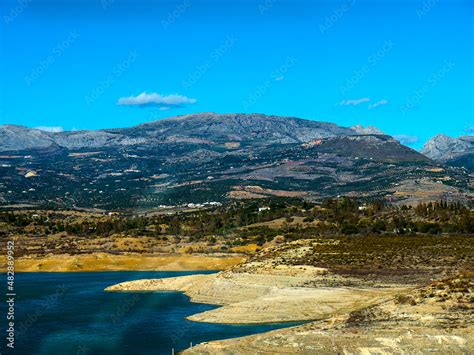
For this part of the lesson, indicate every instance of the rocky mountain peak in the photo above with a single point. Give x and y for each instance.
(359, 129)
(443, 148)
(256, 128)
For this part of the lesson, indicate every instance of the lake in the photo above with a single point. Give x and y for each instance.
(69, 313)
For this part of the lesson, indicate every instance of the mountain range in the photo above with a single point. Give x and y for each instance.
(211, 158)
(204, 128)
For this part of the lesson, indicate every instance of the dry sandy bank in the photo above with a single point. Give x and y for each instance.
(437, 319)
(276, 295)
(110, 262)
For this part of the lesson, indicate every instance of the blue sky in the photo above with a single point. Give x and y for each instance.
(403, 66)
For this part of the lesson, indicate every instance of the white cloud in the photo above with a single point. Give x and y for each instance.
(378, 103)
(354, 102)
(154, 99)
(55, 129)
(406, 139)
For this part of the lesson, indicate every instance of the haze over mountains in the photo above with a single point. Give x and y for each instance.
(211, 157)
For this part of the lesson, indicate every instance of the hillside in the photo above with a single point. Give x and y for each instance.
(215, 158)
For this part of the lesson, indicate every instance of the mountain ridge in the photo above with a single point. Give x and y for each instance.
(209, 126)
(216, 158)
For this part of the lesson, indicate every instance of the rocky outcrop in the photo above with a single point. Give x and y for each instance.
(444, 148)
(359, 129)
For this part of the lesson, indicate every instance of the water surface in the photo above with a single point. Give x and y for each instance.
(69, 313)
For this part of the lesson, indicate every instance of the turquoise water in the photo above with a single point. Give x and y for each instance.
(69, 313)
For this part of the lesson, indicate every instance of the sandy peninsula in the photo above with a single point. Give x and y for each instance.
(271, 295)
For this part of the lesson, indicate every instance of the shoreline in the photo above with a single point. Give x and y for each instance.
(386, 320)
(389, 313)
(422, 318)
(276, 296)
(96, 262)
